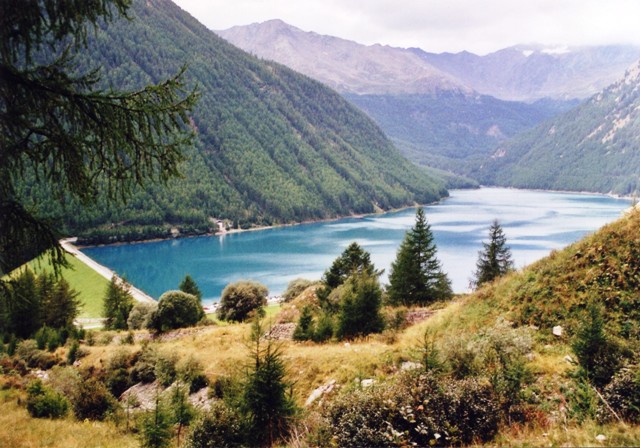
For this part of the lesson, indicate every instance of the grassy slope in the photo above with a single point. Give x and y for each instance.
(20, 430)
(603, 266)
(89, 284)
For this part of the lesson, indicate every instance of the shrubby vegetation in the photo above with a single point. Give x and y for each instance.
(240, 299)
(176, 309)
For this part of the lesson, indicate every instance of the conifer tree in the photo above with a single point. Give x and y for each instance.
(189, 285)
(416, 277)
(58, 125)
(118, 303)
(360, 307)
(353, 260)
(266, 400)
(495, 259)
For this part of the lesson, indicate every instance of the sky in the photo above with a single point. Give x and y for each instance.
(479, 26)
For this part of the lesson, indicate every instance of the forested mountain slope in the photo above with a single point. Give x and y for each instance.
(434, 118)
(451, 130)
(271, 146)
(594, 147)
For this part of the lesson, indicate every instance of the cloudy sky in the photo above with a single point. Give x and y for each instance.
(480, 26)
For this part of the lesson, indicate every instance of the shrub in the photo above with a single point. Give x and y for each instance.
(165, 369)
(28, 351)
(176, 309)
(144, 369)
(295, 288)
(221, 427)
(239, 299)
(92, 400)
(191, 373)
(44, 402)
(623, 394)
(417, 409)
(140, 315)
(117, 378)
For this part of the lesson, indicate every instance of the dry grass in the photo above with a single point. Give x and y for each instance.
(18, 429)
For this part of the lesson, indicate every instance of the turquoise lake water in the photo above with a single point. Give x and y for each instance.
(534, 222)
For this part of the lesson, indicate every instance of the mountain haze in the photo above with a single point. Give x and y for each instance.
(532, 72)
(593, 147)
(344, 65)
(271, 146)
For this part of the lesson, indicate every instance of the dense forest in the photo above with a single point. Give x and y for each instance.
(271, 146)
(590, 148)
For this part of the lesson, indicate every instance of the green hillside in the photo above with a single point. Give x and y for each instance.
(593, 147)
(271, 146)
(89, 285)
(453, 130)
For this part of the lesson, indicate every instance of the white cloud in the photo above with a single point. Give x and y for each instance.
(480, 26)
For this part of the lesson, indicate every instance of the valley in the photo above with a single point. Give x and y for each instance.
(446, 248)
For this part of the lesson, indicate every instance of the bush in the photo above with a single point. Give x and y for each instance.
(191, 372)
(144, 368)
(176, 309)
(295, 288)
(417, 409)
(165, 369)
(28, 351)
(221, 427)
(92, 400)
(239, 299)
(140, 315)
(623, 394)
(44, 402)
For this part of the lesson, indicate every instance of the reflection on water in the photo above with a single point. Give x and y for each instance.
(534, 222)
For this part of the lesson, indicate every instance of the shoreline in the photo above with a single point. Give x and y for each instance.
(254, 229)
(338, 218)
(68, 246)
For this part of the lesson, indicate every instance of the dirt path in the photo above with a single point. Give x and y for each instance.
(107, 273)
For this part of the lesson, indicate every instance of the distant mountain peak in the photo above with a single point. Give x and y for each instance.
(347, 66)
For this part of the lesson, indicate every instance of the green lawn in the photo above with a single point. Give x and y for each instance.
(87, 282)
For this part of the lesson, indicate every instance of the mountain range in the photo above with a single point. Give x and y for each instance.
(593, 147)
(272, 146)
(444, 110)
(519, 73)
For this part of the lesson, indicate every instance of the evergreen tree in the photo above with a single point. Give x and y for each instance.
(56, 124)
(189, 285)
(118, 303)
(353, 260)
(24, 305)
(360, 307)
(155, 427)
(495, 259)
(305, 328)
(266, 399)
(416, 277)
(62, 306)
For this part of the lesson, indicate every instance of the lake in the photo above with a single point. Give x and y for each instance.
(534, 223)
